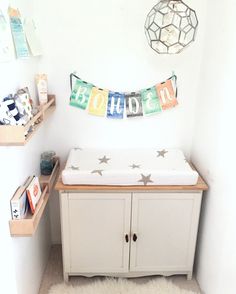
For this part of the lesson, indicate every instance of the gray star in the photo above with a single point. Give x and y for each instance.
(104, 159)
(77, 148)
(162, 153)
(145, 179)
(74, 167)
(98, 171)
(186, 160)
(133, 166)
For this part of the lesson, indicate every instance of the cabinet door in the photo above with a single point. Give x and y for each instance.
(166, 228)
(97, 224)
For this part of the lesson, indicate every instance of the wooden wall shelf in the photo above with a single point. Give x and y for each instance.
(15, 135)
(28, 226)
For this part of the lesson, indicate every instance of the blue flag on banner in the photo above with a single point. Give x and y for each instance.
(115, 105)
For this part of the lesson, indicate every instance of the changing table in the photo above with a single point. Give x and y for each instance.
(129, 214)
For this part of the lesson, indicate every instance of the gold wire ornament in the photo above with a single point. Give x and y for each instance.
(170, 26)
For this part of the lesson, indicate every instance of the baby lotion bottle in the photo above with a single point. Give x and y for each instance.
(42, 88)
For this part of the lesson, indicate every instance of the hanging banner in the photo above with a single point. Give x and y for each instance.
(166, 94)
(98, 101)
(115, 105)
(80, 94)
(112, 104)
(151, 102)
(133, 104)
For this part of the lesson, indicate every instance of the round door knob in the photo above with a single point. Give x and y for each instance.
(135, 237)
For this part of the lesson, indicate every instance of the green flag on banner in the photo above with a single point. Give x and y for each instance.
(150, 101)
(80, 94)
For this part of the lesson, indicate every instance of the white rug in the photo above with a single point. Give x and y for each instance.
(121, 286)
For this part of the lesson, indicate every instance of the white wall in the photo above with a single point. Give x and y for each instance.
(104, 42)
(213, 151)
(22, 259)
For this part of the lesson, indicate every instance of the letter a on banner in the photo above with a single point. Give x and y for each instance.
(150, 100)
(133, 104)
(166, 94)
(80, 94)
(98, 101)
(115, 105)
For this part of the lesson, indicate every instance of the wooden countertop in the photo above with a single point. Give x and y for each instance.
(200, 186)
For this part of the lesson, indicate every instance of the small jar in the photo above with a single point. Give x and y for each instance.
(47, 162)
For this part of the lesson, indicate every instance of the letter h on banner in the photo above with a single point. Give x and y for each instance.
(115, 105)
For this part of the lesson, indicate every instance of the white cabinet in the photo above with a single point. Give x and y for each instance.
(129, 233)
(95, 230)
(165, 225)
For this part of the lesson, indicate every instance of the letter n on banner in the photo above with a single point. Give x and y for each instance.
(80, 94)
(98, 102)
(166, 94)
(133, 104)
(150, 100)
(115, 105)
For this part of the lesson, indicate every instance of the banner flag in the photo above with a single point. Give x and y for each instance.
(151, 102)
(133, 104)
(115, 105)
(80, 94)
(166, 94)
(98, 101)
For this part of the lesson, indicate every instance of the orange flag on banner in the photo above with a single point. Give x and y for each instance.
(98, 101)
(166, 94)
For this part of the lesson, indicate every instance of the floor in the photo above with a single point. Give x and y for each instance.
(53, 275)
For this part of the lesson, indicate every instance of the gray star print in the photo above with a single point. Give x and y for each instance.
(145, 179)
(77, 148)
(133, 166)
(104, 159)
(98, 171)
(74, 167)
(162, 153)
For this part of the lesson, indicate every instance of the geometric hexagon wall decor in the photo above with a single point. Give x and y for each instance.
(170, 26)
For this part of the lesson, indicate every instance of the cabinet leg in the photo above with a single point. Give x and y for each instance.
(66, 277)
(189, 276)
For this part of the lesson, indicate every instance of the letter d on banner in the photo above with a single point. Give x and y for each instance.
(98, 101)
(133, 104)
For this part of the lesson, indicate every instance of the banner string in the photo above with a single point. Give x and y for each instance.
(73, 75)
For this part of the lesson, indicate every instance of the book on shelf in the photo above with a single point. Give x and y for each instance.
(19, 201)
(33, 193)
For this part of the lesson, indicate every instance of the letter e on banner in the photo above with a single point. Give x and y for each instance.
(166, 95)
(151, 102)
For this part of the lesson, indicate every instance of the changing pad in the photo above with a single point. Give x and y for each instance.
(128, 167)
